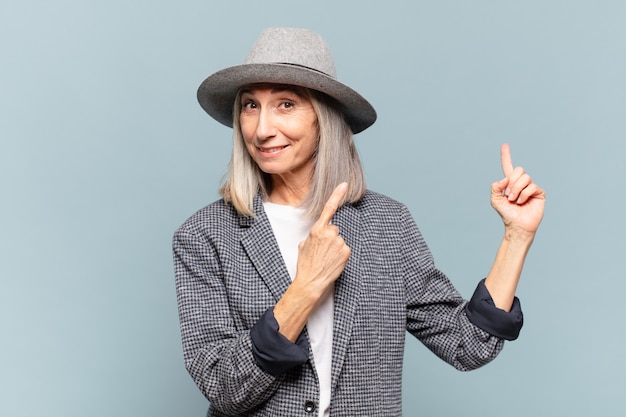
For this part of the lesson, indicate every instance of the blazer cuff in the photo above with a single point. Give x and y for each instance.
(273, 352)
(483, 313)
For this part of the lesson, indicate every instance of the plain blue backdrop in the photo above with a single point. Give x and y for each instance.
(104, 151)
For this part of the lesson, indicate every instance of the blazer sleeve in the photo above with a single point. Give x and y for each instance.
(482, 311)
(436, 311)
(218, 357)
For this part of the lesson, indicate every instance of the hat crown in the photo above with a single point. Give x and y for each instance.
(293, 46)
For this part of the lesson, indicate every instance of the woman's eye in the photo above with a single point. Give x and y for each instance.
(288, 104)
(248, 105)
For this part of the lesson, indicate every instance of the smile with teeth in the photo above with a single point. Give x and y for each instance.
(273, 149)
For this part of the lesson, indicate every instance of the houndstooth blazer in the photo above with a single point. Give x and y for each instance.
(229, 271)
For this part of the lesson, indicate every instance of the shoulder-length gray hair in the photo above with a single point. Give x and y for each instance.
(336, 160)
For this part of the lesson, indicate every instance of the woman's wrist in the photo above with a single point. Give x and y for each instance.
(518, 236)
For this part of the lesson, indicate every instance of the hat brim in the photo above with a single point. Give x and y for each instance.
(217, 93)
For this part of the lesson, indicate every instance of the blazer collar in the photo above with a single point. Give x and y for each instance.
(262, 248)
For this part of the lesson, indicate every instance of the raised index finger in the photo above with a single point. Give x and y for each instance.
(333, 204)
(507, 163)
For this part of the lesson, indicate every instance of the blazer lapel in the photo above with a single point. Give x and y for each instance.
(260, 244)
(347, 286)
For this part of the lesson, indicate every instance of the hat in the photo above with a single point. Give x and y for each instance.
(285, 56)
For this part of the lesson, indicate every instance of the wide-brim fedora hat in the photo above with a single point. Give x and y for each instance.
(291, 56)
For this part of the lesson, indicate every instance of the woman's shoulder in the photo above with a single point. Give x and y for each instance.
(376, 208)
(218, 215)
(376, 202)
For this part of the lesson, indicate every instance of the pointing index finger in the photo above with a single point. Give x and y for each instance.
(507, 163)
(333, 203)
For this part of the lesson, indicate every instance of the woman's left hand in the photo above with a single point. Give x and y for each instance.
(517, 199)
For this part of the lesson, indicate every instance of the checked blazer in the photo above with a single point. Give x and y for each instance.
(229, 272)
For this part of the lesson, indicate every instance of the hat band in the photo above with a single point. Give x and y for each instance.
(305, 67)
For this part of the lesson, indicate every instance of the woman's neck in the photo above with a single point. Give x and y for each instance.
(288, 193)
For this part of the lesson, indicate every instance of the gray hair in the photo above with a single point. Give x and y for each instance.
(336, 160)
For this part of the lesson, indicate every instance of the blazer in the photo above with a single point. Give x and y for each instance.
(229, 272)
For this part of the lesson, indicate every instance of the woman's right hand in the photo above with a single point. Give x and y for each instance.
(322, 256)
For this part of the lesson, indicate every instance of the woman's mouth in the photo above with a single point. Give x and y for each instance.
(271, 150)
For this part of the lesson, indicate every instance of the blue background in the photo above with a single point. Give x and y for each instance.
(105, 151)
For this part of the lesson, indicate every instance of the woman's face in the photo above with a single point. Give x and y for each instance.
(280, 130)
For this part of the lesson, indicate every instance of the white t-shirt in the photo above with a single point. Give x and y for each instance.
(291, 227)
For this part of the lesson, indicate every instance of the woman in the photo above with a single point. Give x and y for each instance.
(296, 289)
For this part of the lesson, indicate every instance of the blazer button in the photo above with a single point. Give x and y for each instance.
(309, 406)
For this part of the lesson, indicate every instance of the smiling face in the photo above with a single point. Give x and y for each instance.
(280, 130)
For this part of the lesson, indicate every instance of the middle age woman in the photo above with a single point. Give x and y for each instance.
(296, 288)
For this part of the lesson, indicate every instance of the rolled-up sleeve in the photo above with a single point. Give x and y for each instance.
(273, 352)
(483, 313)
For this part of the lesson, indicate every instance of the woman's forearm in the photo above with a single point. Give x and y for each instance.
(507, 268)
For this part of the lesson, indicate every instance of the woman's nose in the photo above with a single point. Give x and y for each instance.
(266, 127)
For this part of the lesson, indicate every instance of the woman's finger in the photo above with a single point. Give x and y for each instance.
(505, 156)
(332, 204)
